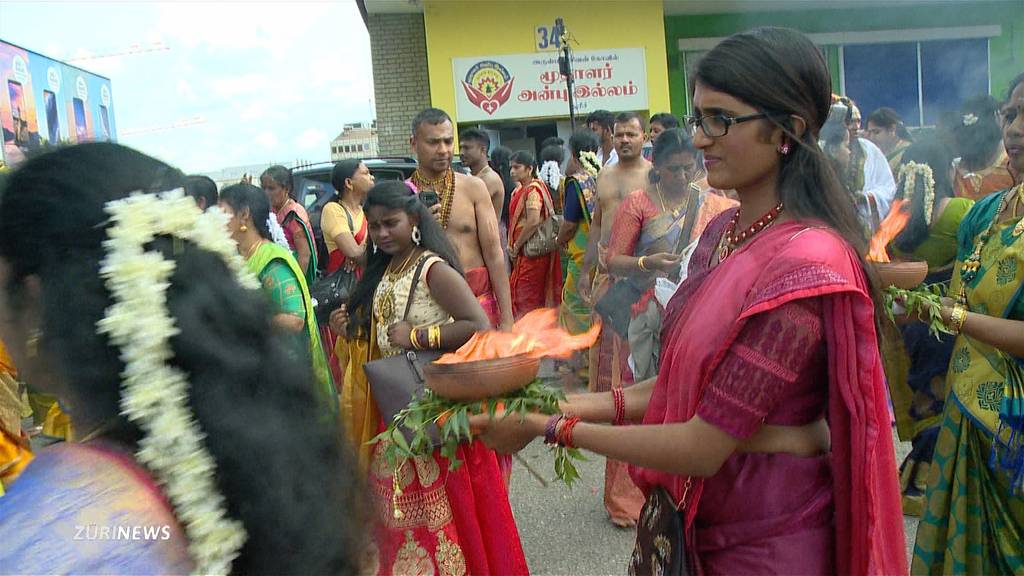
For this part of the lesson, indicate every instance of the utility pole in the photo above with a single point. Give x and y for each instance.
(565, 68)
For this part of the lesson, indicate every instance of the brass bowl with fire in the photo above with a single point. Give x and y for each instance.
(481, 379)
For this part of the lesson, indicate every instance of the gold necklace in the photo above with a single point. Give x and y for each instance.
(385, 309)
(252, 249)
(661, 198)
(402, 268)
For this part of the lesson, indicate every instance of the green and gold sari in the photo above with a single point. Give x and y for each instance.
(279, 275)
(973, 521)
(575, 313)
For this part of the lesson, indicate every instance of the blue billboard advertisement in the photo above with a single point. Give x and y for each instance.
(45, 102)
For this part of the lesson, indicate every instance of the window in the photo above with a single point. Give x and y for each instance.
(920, 80)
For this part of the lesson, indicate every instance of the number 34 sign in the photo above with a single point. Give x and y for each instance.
(548, 37)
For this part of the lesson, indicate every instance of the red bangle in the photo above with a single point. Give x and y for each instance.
(564, 432)
(619, 396)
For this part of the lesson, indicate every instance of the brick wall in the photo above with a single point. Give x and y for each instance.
(401, 85)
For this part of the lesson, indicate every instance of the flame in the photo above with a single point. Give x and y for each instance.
(893, 224)
(537, 335)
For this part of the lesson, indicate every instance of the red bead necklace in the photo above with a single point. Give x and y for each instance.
(731, 240)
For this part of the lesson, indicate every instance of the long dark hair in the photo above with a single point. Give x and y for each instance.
(938, 158)
(247, 393)
(978, 134)
(742, 65)
(501, 162)
(394, 195)
(342, 171)
(248, 197)
(669, 143)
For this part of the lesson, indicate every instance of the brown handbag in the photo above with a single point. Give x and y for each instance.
(398, 380)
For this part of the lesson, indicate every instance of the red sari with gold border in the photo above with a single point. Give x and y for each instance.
(535, 282)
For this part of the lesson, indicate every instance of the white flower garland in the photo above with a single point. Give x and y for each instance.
(154, 395)
(970, 119)
(591, 163)
(551, 174)
(908, 174)
(277, 233)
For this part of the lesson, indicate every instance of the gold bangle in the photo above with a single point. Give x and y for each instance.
(957, 318)
(640, 263)
(435, 337)
(414, 340)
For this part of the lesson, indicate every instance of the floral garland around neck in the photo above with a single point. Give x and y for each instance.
(551, 174)
(909, 173)
(154, 394)
(590, 162)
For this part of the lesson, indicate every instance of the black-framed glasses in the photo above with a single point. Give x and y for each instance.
(717, 125)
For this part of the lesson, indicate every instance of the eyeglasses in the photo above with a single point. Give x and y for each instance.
(717, 125)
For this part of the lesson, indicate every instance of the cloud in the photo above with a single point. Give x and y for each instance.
(311, 139)
(231, 86)
(185, 90)
(266, 139)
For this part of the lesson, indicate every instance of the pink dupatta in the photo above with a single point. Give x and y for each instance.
(787, 262)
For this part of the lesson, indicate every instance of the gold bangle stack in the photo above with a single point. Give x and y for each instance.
(957, 318)
(640, 263)
(434, 337)
(413, 337)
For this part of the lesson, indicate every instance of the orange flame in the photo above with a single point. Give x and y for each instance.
(889, 229)
(537, 335)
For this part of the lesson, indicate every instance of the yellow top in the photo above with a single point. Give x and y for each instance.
(333, 221)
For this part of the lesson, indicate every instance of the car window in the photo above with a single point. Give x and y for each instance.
(311, 187)
(381, 174)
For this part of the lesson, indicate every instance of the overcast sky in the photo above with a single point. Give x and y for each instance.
(271, 81)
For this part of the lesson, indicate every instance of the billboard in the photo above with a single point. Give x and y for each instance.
(45, 102)
(529, 85)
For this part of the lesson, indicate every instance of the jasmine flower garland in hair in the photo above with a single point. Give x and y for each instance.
(591, 163)
(154, 394)
(551, 174)
(277, 233)
(909, 173)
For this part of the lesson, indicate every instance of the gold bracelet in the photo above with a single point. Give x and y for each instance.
(640, 263)
(957, 318)
(414, 340)
(435, 337)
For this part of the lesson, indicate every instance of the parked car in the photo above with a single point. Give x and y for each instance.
(313, 188)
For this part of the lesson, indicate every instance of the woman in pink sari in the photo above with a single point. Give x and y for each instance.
(766, 426)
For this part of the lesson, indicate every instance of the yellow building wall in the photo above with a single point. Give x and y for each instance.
(466, 28)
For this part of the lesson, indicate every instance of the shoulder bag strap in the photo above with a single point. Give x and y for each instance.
(348, 216)
(415, 282)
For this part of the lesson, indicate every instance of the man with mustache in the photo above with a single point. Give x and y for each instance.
(608, 356)
(465, 211)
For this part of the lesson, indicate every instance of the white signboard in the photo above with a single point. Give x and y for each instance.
(530, 86)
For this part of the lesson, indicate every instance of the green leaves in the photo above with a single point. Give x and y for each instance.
(925, 301)
(452, 421)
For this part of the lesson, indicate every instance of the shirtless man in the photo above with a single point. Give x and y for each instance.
(465, 211)
(615, 182)
(473, 147)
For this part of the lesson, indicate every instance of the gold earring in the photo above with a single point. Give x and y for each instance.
(243, 228)
(32, 343)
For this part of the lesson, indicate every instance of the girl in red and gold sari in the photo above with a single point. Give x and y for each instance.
(536, 281)
(767, 426)
(452, 521)
(344, 228)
